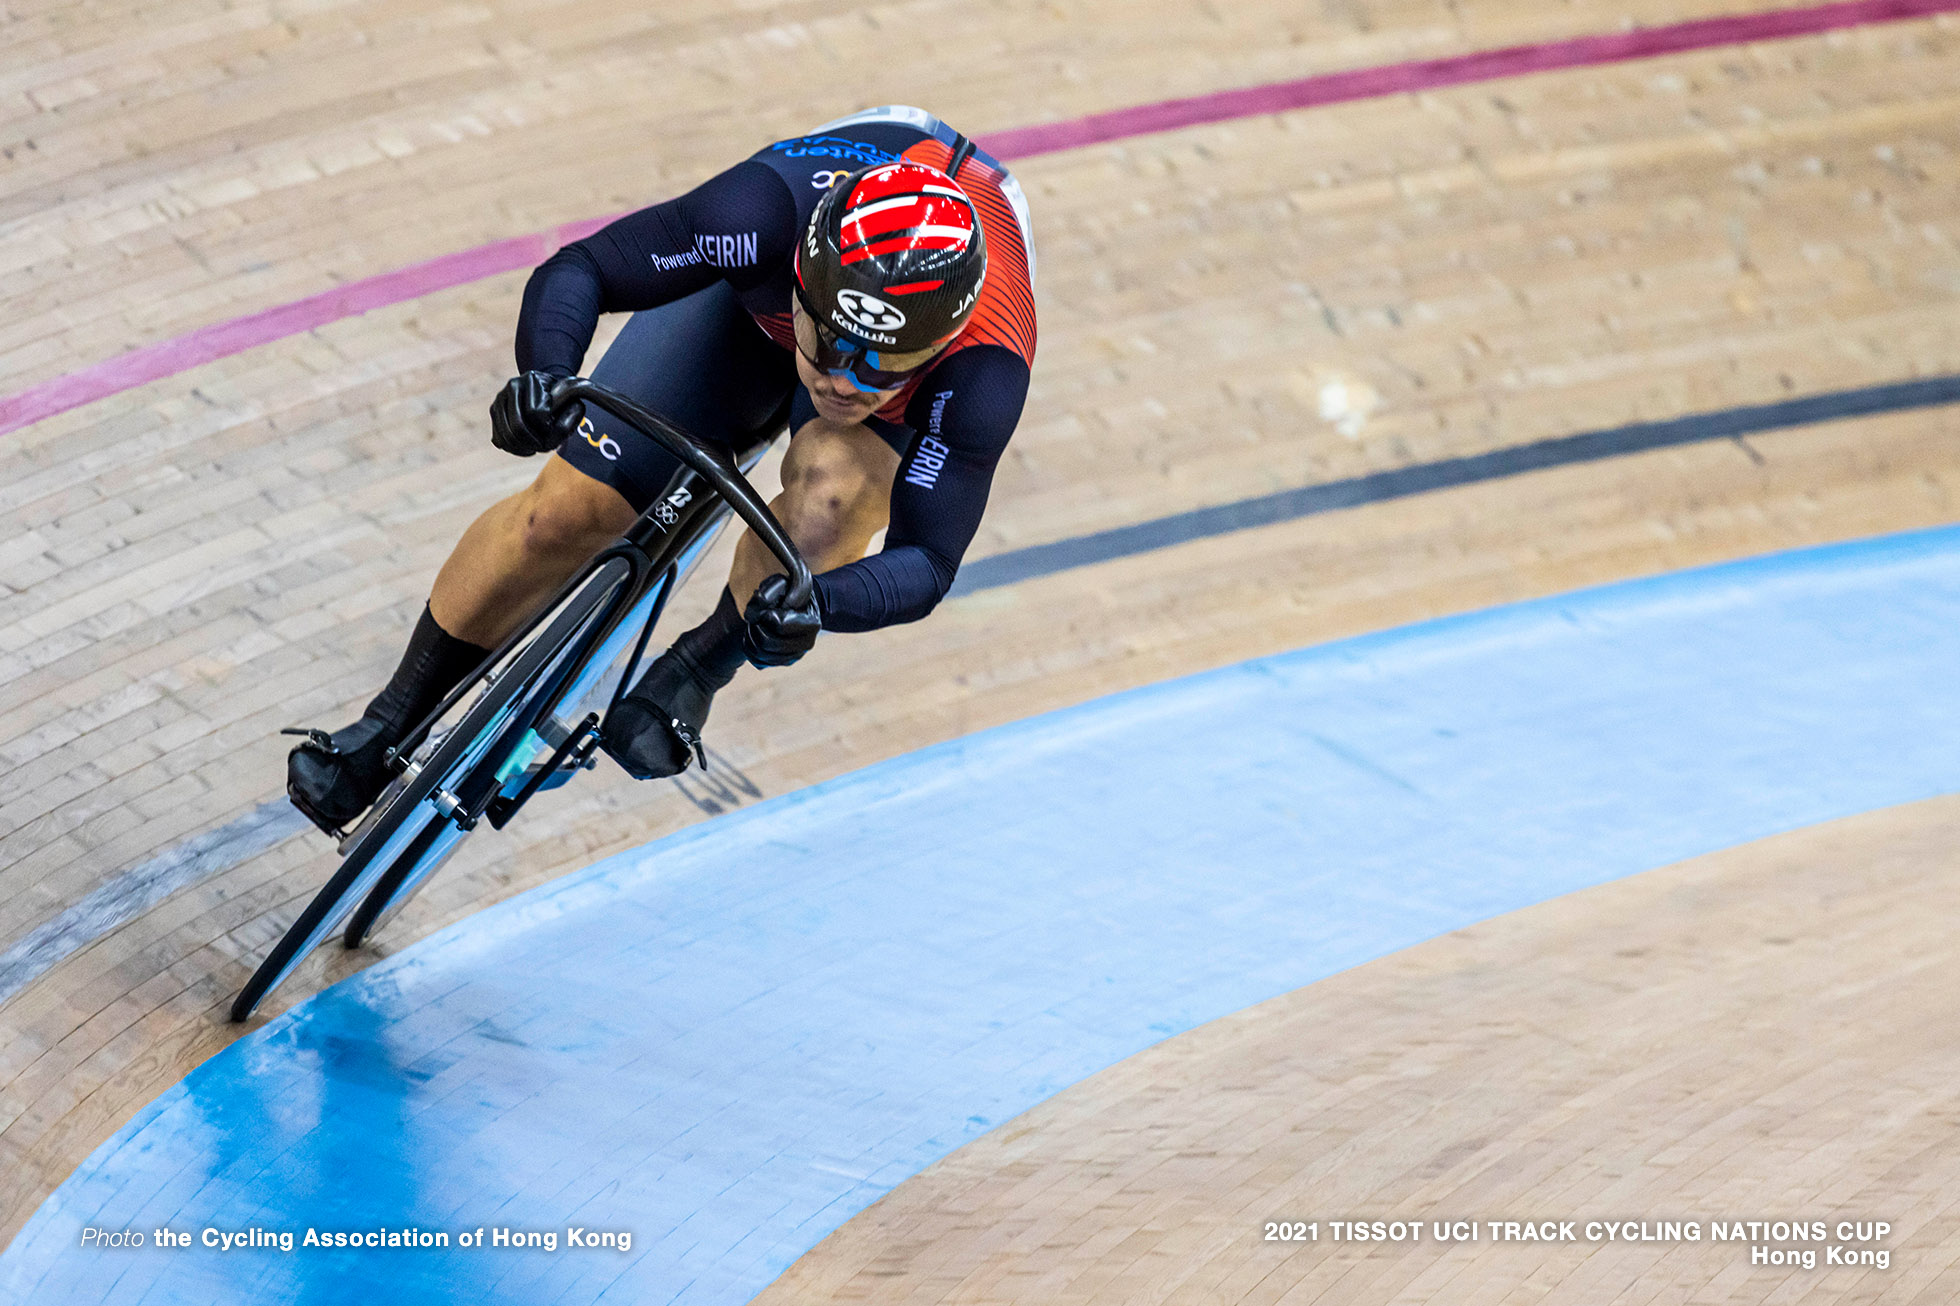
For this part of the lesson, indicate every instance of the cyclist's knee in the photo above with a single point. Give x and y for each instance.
(563, 517)
(828, 483)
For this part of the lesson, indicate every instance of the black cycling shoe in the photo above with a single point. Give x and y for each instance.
(656, 730)
(333, 778)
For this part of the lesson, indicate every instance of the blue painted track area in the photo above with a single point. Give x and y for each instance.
(725, 1044)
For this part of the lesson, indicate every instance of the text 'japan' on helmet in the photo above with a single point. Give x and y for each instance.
(893, 258)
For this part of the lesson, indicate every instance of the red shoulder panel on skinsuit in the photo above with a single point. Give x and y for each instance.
(1005, 314)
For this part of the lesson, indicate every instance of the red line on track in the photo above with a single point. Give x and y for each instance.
(206, 344)
(1429, 74)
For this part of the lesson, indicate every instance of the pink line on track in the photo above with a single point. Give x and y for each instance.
(1430, 74)
(206, 344)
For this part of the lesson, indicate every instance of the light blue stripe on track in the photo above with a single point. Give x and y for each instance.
(730, 1041)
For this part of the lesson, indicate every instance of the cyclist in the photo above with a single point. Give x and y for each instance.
(869, 286)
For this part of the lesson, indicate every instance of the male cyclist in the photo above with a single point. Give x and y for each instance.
(869, 286)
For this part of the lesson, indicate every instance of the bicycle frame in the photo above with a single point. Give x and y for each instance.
(646, 549)
(559, 656)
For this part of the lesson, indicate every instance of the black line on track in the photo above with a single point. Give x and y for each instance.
(1307, 501)
(257, 831)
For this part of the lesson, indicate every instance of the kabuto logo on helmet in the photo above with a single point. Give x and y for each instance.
(869, 311)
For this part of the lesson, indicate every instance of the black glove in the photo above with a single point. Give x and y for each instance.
(521, 420)
(778, 634)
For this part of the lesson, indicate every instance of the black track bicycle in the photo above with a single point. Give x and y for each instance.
(538, 703)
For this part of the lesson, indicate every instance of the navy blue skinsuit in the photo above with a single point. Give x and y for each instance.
(708, 278)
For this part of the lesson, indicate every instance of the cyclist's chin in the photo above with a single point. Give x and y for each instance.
(845, 410)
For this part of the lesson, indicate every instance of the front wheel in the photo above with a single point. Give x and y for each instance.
(512, 768)
(420, 826)
(400, 881)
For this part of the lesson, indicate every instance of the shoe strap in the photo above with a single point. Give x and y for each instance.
(690, 738)
(316, 739)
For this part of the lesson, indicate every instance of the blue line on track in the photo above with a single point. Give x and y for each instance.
(728, 1042)
(191, 861)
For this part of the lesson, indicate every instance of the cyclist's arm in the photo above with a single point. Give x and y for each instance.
(967, 408)
(738, 226)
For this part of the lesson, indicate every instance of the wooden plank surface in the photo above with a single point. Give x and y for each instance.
(1754, 1035)
(1226, 311)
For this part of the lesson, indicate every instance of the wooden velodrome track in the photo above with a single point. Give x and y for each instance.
(1226, 310)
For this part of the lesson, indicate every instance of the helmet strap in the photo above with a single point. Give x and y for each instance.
(962, 151)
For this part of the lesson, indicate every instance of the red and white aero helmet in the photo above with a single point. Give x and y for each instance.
(893, 258)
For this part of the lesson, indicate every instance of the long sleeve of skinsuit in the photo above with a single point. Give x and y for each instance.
(965, 410)
(738, 226)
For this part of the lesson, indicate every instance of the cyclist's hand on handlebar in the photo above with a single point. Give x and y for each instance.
(521, 421)
(777, 633)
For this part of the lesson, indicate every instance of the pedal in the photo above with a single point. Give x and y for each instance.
(373, 813)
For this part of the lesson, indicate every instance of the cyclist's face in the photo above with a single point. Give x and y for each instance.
(838, 397)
